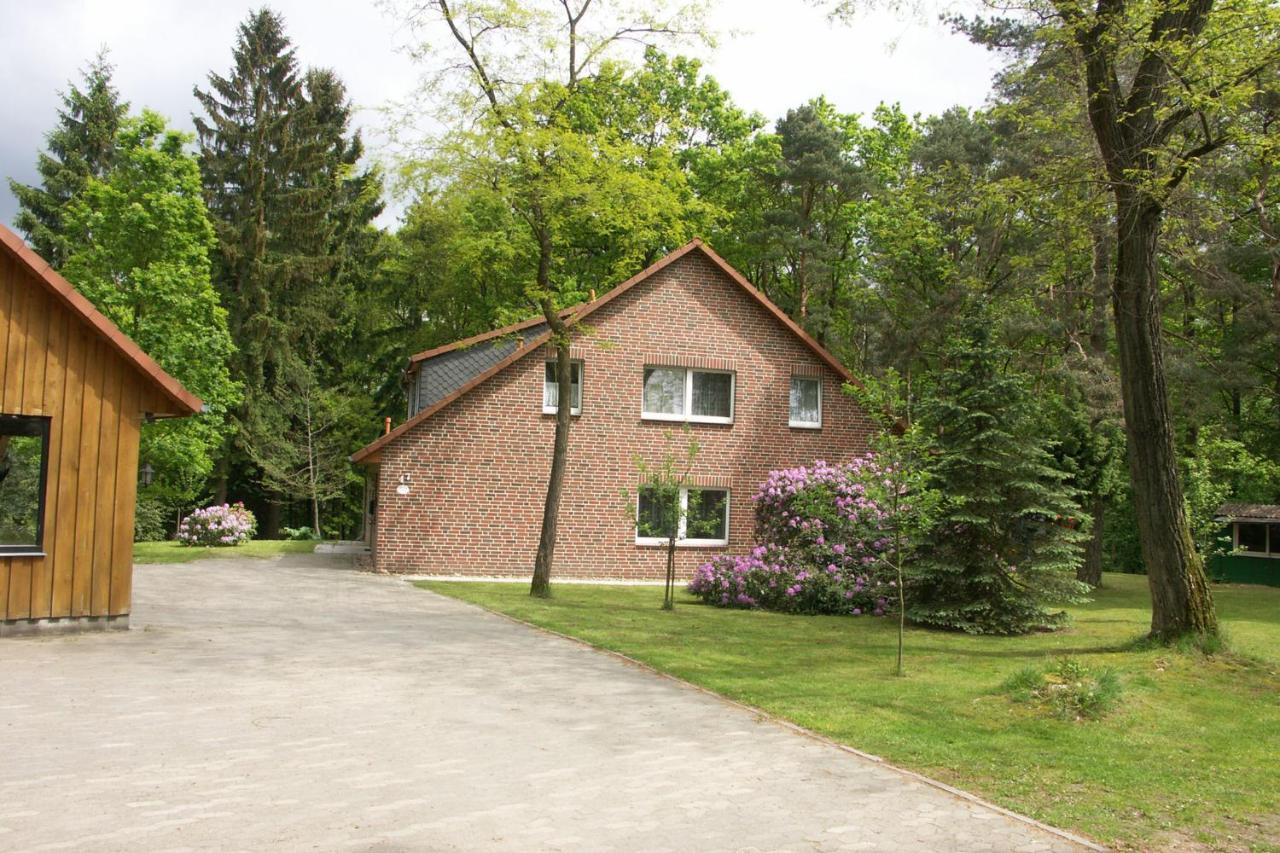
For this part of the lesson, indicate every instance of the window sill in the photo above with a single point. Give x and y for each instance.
(5, 554)
(681, 419)
(647, 542)
(574, 413)
(804, 426)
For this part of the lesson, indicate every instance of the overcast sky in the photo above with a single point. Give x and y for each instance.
(161, 48)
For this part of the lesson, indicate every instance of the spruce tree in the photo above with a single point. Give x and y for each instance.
(253, 150)
(1007, 545)
(80, 147)
(291, 210)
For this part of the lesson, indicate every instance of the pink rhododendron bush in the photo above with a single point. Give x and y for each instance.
(820, 539)
(228, 524)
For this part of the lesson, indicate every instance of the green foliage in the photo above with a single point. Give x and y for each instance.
(300, 534)
(150, 519)
(81, 146)
(1067, 689)
(905, 490)
(137, 244)
(1219, 469)
(291, 209)
(1006, 545)
(19, 488)
(302, 444)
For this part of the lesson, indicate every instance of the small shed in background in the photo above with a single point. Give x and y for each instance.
(1255, 543)
(74, 391)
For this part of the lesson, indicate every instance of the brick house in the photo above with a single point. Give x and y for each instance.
(458, 488)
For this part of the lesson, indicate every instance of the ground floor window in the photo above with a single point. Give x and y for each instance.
(1258, 538)
(703, 517)
(24, 467)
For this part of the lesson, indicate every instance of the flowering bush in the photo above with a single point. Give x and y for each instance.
(823, 540)
(218, 526)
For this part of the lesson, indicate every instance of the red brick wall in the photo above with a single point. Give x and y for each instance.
(478, 468)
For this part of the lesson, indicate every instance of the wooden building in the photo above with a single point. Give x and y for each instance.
(1255, 544)
(74, 391)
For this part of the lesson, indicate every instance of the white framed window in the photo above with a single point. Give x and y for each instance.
(551, 388)
(703, 519)
(806, 402)
(688, 394)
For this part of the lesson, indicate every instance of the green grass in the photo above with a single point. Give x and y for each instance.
(175, 552)
(1190, 755)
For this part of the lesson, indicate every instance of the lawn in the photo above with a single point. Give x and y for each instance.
(176, 552)
(1191, 757)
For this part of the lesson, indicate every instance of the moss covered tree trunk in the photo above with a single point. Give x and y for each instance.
(1180, 598)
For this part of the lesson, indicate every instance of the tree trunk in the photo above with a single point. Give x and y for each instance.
(541, 585)
(669, 594)
(271, 519)
(1180, 598)
(223, 465)
(1090, 570)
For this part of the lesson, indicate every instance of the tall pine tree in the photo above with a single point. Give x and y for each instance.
(81, 146)
(1005, 546)
(290, 207)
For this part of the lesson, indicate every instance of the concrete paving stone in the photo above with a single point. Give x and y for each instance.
(295, 703)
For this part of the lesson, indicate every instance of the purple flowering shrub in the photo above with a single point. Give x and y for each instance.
(228, 524)
(822, 540)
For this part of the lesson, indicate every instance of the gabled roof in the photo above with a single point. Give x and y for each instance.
(1249, 512)
(573, 316)
(183, 401)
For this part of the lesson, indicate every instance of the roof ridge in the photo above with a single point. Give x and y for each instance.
(72, 299)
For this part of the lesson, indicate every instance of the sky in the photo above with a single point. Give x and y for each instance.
(771, 55)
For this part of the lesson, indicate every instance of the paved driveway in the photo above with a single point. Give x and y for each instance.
(295, 704)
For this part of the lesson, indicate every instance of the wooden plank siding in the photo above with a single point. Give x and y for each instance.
(55, 364)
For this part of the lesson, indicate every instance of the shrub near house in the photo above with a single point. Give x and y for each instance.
(820, 545)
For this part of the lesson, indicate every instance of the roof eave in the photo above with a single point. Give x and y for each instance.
(185, 403)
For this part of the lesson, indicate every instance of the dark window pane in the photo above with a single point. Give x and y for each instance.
(705, 517)
(655, 517)
(22, 448)
(664, 390)
(712, 394)
(1253, 537)
(1275, 539)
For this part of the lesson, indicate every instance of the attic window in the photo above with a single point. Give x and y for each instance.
(688, 394)
(551, 388)
(806, 402)
(24, 467)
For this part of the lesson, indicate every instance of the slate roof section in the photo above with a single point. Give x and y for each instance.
(1249, 512)
(440, 375)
